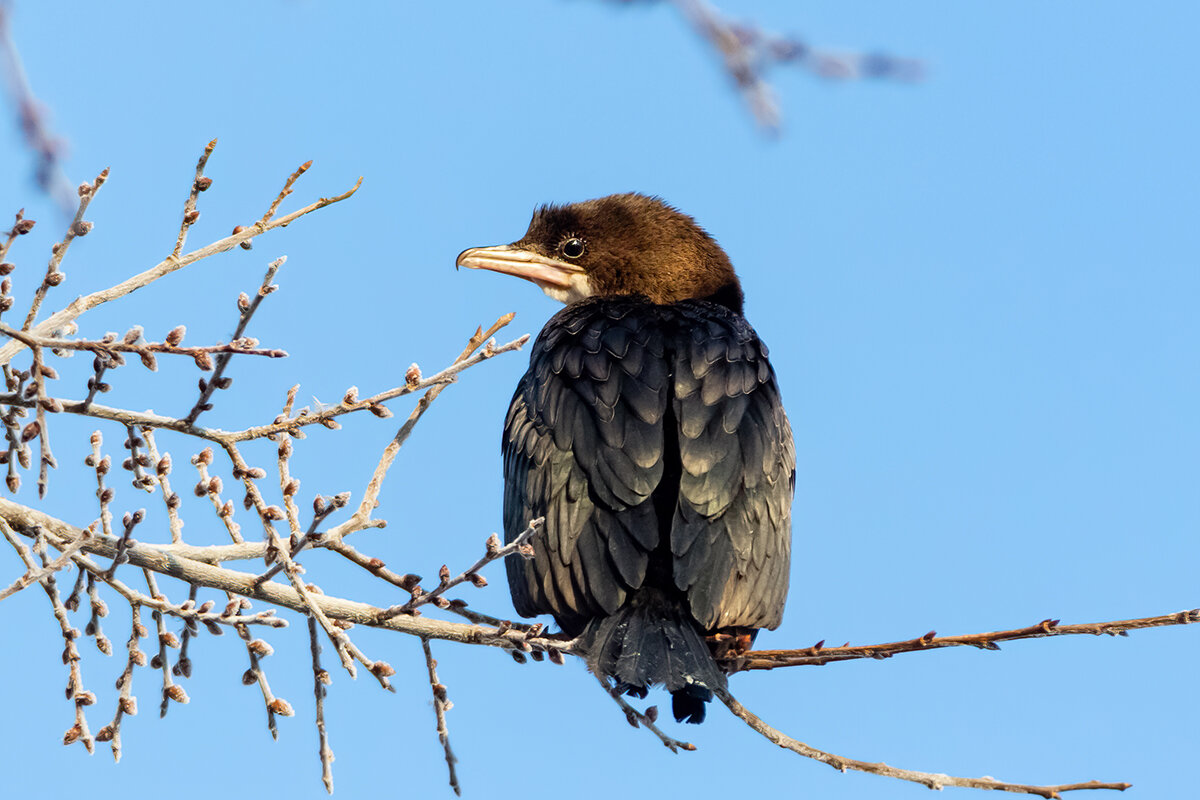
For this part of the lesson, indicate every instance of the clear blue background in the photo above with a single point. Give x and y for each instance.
(980, 293)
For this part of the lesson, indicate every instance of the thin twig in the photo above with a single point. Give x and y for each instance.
(75, 692)
(320, 681)
(928, 779)
(200, 184)
(238, 346)
(59, 319)
(285, 191)
(819, 654)
(246, 309)
(645, 719)
(283, 424)
(126, 702)
(326, 416)
(32, 577)
(78, 227)
(495, 552)
(162, 471)
(375, 484)
(440, 706)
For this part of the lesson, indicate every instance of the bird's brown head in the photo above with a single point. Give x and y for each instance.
(623, 244)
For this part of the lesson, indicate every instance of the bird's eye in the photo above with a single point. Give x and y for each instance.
(572, 248)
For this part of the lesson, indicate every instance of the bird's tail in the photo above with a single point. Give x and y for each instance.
(653, 641)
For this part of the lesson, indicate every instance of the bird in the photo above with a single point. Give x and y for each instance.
(650, 435)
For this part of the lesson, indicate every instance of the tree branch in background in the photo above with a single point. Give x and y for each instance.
(748, 52)
(47, 148)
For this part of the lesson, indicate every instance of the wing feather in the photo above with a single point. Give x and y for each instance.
(731, 532)
(583, 446)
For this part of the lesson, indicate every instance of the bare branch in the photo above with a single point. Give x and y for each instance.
(819, 654)
(371, 495)
(519, 545)
(928, 779)
(246, 309)
(61, 534)
(647, 719)
(200, 184)
(78, 227)
(238, 346)
(285, 191)
(32, 577)
(440, 706)
(79, 731)
(59, 319)
(283, 424)
(320, 681)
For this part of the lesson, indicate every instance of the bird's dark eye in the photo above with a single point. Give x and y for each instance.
(572, 248)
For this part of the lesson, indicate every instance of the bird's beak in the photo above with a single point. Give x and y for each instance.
(523, 263)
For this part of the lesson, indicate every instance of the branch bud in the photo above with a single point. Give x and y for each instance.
(412, 376)
(260, 648)
(75, 731)
(281, 707)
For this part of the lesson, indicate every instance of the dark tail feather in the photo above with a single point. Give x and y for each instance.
(652, 641)
(688, 705)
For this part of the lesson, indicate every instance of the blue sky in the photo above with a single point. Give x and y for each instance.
(980, 294)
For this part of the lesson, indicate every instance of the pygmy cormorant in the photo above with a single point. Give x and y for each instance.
(650, 434)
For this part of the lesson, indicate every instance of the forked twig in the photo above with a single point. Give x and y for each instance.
(645, 719)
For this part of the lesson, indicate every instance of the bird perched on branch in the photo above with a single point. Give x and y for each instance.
(650, 434)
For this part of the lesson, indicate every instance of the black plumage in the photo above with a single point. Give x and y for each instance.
(650, 434)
